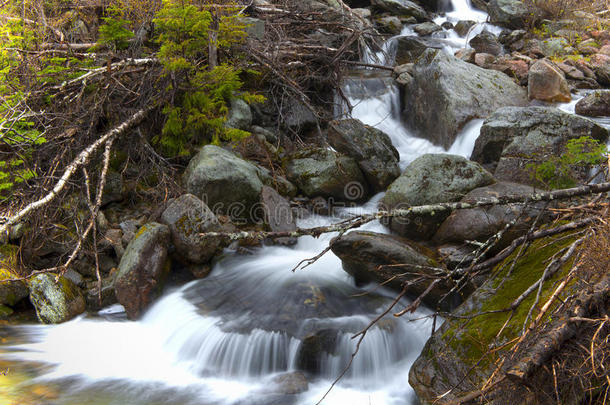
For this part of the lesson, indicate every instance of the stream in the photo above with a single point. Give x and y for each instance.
(234, 337)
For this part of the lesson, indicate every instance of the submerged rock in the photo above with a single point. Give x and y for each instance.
(447, 92)
(596, 104)
(370, 147)
(514, 137)
(55, 302)
(429, 179)
(143, 268)
(392, 261)
(187, 216)
(322, 172)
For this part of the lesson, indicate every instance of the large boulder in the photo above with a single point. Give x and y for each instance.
(225, 182)
(392, 261)
(55, 301)
(410, 48)
(508, 13)
(11, 292)
(596, 104)
(278, 215)
(404, 8)
(187, 216)
(370, 147)
(547, 82)
(322, 172)
(143, 268)
(430, 179)
(446, 93)
(514, 137)
(479, 224)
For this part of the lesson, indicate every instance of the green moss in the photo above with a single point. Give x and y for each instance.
(472, 339)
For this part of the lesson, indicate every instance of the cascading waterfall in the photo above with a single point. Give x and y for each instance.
(225, 339)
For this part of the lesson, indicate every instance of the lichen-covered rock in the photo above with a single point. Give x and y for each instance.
(225, 182)
(187, 216)
(429, 179)
(481, 223)
(55, 302)
(513, 137)
(11, 292)
(392, 261)
(446, 93)
(508, 13)
(370, 147)
(322, 172)
(596, 104)
(546, 82)
(410, 48)
(143, 268)
(404, 8)
(240, 115)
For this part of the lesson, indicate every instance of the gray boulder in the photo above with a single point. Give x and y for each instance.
(403, 8)
(447, 92)
(240, 115)
(143, 268)
(322, 172)
(55, 302)
(11, 292)
(514, 137)
(370, 147)
(410, 48)
(187, 216)
(596, 104)
(479, 224)
(278, 215)
(508, 13)
(547, 82)
(429, 179)
(225, 182)
(486, 42)
(393, 261)
(427, 28)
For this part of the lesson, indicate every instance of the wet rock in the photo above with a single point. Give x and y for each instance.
(143, 268)
(596, 104)
(322, 172)
(393, 261)
(486, 42)
(55, 302)
(547, 82)
(225, 182)
(371, 148)
(514, 137)
(447, 25)
(186, 217)
(403, 74)
(314, 347)
(478, 224)
(390, 25)
(402, 8)
(429, 179)
(11, 292)
(410, 48)
(463, 26)
(508, 13)
(290, 383)
(240, 115)
(446, 93)
(278, 215)
(108, 294)
(427, 28)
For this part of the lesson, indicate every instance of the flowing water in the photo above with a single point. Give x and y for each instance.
(232, 337)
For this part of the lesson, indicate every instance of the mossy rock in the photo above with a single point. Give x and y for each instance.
(11, 292)
(461, 344)
(55, 301)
